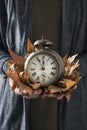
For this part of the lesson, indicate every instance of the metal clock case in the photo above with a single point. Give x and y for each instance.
(44, 65)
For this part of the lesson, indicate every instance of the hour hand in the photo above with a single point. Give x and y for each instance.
(43, 60)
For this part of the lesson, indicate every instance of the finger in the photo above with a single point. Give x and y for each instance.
(11, 84)
(60, 96)
(39, 91)
(21, 92)
(75, 87)
(17, 92)
(46, 95)
(25, 93)
(36, 93)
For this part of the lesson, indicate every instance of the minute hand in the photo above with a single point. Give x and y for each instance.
(39, 61)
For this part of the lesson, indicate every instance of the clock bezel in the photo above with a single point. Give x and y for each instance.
(55, 55)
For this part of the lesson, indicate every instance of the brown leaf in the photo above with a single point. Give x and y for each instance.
(17, 59)
(68, 94)
(24, 77)
(73, 67)
(14, 75)
(53, 89)
(68, 83)
(35, 86)
(30, 46)
(71, 59)
(65, 59)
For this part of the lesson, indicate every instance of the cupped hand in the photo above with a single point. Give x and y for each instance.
(24, 91)
(53, 95)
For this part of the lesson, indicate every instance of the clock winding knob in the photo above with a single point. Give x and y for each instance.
(42, 43)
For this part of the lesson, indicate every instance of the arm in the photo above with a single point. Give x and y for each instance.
(4, 57)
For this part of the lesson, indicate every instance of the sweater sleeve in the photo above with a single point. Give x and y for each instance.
(4, 57)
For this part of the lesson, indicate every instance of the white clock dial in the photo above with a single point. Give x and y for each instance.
(42, 68)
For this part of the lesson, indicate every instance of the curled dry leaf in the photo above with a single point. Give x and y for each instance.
(68, 93)
(73, 67)
(13, 73)
(30, 46)
(71, 59)
(24, 77)
(35, 86)
(17, 59)
(53, 89)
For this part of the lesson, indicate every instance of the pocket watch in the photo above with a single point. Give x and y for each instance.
(44, 65)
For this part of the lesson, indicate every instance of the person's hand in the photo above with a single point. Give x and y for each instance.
(58, 96)
(53, 95)
(24, 91)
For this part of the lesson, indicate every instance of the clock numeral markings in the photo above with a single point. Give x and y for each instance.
(37, 78)
(43, 79)
(43, 57)
(53, 68)
(34, 74)
(38, 59)
(32, 69)
(48, 77)
(33, 63)
(52, 73)
(48, 59)
(52, 62)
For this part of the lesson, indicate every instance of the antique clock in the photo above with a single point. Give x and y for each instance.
(44, 65)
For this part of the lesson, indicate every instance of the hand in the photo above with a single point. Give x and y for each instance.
(57, 96)
(24, 91)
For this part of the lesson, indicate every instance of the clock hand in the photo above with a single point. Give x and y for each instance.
(43, 60)
(42, 65)
(39, 61)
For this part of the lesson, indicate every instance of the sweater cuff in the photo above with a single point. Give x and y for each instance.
(5, 67)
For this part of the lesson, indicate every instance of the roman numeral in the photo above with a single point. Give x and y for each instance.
(38, 59)
(43, 80)
(33, 63)
(34, 74)
(52, 73)
(48, 59)
(37, 78)
(53, 68)
(32, 69)
(52, 63)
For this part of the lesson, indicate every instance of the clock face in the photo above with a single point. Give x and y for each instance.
(43, 68)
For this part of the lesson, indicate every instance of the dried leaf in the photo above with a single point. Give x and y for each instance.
(30, 46)
(35, 86)
(73, 67)
(65, 59)
(68, 94)
(14, 75)
(24, 77)
(17, 59)
(68, 83)
(71, 59)
(53, 89)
